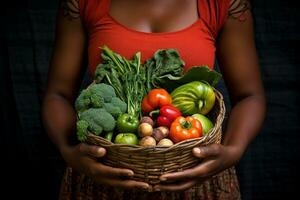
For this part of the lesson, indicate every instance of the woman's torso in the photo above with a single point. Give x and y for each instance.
(192, 32)
(129, 26)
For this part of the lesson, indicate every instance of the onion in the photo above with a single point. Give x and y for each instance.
(147, 119)
(145, 129)
(160, 133)
(147, 141)
(165, 142)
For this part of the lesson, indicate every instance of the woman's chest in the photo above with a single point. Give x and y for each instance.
(154, 16)
(195, 45)
(193, 41)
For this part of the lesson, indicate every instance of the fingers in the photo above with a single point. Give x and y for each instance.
(98, 169)
(201, 171)
(116, 177)
(78, 159)
(127, 184)
(91, 150)
(187, 174)
(214, 158)
(175, 187)
(111, 176)
(103, 174)
(207, 151)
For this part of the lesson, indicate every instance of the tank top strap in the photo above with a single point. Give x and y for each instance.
(214, 14)
(93, 10)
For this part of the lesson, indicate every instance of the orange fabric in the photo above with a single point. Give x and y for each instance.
(195, 43)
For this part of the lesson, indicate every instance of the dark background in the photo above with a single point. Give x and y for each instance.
(31, 165)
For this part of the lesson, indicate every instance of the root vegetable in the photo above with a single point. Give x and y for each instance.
(160, 133)
(145, 129)
(147, 141)
(164, 129)
(165, 142)
(147, 119)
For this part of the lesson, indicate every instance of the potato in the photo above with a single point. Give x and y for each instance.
(147, 141)
(145, 129)
(165, 142)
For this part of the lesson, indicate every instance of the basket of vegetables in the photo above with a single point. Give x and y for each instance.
(149, 116)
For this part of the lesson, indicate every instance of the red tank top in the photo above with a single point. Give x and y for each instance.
(195, 43)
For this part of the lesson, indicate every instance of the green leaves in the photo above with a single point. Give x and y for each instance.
(165, 65)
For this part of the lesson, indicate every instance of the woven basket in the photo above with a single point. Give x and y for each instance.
(148, 163)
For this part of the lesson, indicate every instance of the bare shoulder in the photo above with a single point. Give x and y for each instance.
(70, 9)
(238, 8)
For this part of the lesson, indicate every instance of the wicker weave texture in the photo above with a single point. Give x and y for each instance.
(148, 163)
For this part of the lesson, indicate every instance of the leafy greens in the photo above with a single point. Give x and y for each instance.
(132, 80)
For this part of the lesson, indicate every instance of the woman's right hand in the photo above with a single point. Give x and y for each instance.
(83, 157)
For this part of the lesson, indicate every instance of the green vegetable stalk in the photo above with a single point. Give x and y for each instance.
(127, 77)
(109, 136)
(194, 97)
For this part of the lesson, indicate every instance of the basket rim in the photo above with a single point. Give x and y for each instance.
(218, 124)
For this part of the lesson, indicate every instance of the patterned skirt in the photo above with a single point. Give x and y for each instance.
(76, 186)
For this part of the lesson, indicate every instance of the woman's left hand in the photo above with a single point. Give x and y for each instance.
(214, 159)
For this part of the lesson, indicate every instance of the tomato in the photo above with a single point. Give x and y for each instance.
(127, 123)
(185, 128)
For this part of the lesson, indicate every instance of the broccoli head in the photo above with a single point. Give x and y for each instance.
(102, 70)
(107, 92)
(82, 128)
(94, 97)
(119, 103)
(112, 109)
(116, 107)
(88, 99)
(98, 120)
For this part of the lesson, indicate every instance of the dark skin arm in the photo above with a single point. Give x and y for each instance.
(58, 114)
(240, 69)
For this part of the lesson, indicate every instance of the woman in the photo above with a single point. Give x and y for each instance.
(197, 29)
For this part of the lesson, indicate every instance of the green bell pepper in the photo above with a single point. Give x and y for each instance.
(194, 97)
(127, 123)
